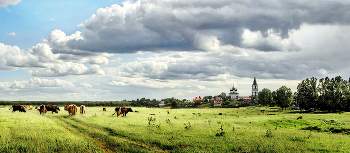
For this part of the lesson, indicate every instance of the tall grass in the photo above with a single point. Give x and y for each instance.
(183, 130)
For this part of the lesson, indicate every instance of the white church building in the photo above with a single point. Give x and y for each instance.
(235, 95)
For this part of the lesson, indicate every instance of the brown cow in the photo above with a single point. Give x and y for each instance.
(18, 108)
(124, 111)
(118, 111)
(72, 109)
(52, 108)
(104, 109)
(42, 109)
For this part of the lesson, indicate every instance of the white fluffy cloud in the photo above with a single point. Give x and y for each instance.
(116, 83)
(35, 83)
(5, 3)
(11, 34)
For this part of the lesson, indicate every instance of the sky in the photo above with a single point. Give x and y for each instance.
(113, 50)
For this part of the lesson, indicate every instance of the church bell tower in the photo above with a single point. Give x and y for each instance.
(254, 89)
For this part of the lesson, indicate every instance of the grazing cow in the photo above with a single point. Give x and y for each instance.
(36, 107)
(104, 109)
(18, 108)
(122, 110)
(52, 108)
(299, 118)
(72, 109)
(118, 110)
(42, 109)
(30, 107)
(82, 109)
(125, 111)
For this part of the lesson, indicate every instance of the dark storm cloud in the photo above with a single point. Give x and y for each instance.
(178, 25)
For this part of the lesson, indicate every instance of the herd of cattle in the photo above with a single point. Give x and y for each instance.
(72, 109)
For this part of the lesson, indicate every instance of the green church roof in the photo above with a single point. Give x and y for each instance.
(254, 83)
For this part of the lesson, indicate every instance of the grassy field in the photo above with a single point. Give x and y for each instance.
(183, 130)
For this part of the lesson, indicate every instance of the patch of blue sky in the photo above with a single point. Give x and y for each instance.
(10, 76)
(32, 21)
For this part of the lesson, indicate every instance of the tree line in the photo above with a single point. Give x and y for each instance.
(326, 94)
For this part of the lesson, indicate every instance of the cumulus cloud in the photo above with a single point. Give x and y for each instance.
(37, 82)
(11, 34)
(116, 83)
(322, 51)
(154, 25)
(5, 3)
(86, 85)
(41, 61)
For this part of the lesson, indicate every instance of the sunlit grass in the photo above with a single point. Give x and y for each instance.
(183, 130)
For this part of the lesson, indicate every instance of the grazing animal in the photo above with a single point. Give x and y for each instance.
(122, 110)
(104, 109)
(82, 109)
(270, 114)
(118, 110)
(52, 108)
(72, 109)
(168, 112)
(299, 118)
(30, 107)
(152, 114)
(18, 108)
(36, 107)
(126, 110)
(42, 109)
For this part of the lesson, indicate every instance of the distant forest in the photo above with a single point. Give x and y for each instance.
(325, 94)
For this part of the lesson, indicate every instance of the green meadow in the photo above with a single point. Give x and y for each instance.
(182, 130)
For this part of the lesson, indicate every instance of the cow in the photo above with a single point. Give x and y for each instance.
(104, 109)
(52, 108)
(82, 109)
(72, 109)
(124, 110)
(118, 111)
(18, 108)
(300, 117)
(42, 109)
(36, 107)
(30, 107)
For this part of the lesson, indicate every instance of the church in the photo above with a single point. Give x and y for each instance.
(235, 95)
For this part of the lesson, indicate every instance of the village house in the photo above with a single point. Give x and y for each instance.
(217, 101)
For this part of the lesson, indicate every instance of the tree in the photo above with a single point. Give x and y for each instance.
(284, 97)
(265, 97)
(334, 94)
(307, 94)
(223, 96)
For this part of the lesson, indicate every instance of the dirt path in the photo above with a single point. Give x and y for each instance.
(106, 138)
(102, 145)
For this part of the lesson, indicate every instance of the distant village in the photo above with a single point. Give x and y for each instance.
(219, 100)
